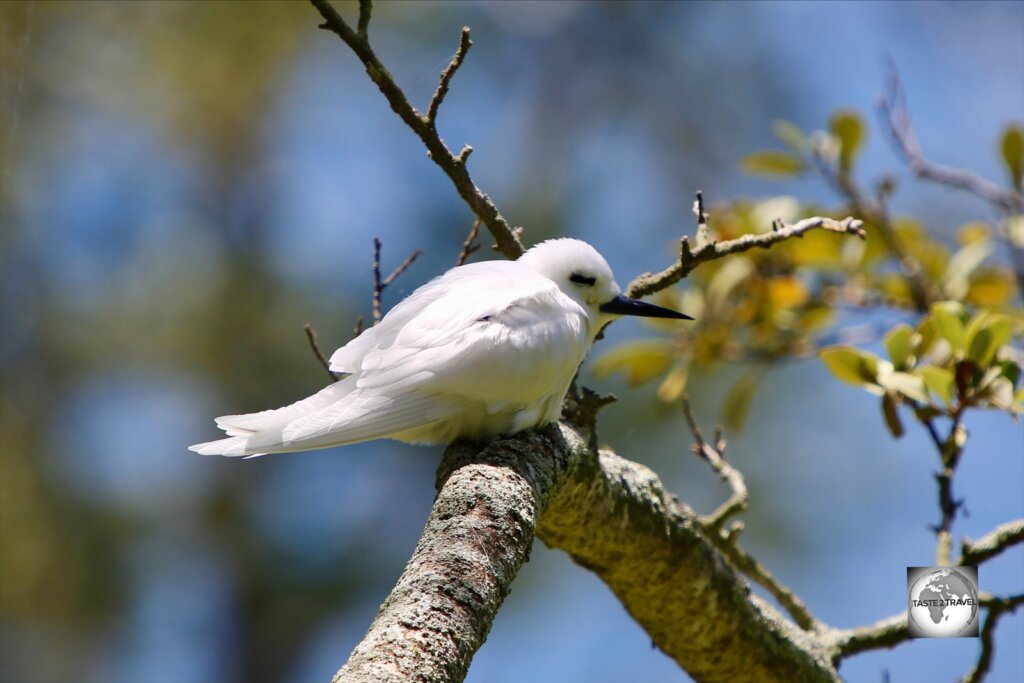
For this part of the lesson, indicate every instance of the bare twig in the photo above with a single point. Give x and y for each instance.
(726, 541)
(380, 285)
(713, 454)
(992, 543)
(446, 76)
(365, 10)
(896, 117)
(469, 245)
(997, 607)
(315, 346)
(649, 283)
(357, 329)
(454, 167)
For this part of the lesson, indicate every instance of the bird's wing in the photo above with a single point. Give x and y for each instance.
(511, 337)
(461, 294)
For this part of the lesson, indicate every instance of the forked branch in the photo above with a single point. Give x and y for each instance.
(454, 166)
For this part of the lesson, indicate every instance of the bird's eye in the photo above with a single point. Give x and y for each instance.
(581, 279)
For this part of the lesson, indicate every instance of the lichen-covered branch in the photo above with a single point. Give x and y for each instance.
(423, 125)
(887, 633)
(613, 517)
(478, 535)
(708, 250)
(992, 543)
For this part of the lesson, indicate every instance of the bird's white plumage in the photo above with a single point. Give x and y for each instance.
(485, 349)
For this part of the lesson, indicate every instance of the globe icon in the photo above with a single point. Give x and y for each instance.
(943, 603)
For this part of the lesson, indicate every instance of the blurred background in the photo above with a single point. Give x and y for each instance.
(184, 185)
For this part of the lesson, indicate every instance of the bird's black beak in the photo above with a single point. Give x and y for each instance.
(623, 305)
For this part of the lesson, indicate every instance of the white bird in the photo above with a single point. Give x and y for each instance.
(487, 348)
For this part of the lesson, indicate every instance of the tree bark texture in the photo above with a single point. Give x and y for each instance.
(614, 518)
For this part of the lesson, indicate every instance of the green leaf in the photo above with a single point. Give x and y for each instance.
(641, 361)
(848, 127)
(892, 416)
(790, 135)
(905, 384)
(851, 365)
(947, 317)
(773, 163)
(674, 383)
(1012, 147)
(736, 406)
(939, 381)
(985, 335)
(898, 344)
(956, 277)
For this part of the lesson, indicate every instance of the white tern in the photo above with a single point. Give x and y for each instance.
(487, 348)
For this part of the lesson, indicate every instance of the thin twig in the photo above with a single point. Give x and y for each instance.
(446, 76)
(896, 116)
(469, 246)
(380, 285)
(713, 454)
(997, 607)
(726, 540)
(691, 258)
(315, 346)
(454, 167)
(992, 543)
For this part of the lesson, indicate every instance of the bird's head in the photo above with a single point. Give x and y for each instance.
(585, 276)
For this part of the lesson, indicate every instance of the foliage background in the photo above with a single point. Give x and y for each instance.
(185, 184)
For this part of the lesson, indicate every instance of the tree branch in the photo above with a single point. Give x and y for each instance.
(951, 450)
(713, 455)
(887, 633)
(689, 259)
(469, 245)
(997, 607)
(613, 517)
(507, 238)
(896, 117)
(727, 541)
(380, 285)
(315, 346)
(446, 76)
(992, 543)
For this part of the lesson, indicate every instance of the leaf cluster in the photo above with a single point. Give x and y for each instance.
(949, 362)
(767, 306)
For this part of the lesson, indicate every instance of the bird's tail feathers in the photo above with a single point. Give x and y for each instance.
(260, 433)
